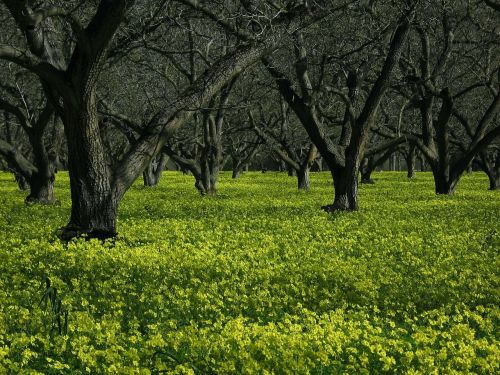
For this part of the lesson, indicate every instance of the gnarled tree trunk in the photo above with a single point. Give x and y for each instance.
(153, 171)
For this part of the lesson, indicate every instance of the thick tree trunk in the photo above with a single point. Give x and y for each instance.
(345, 182)
(346, 189)
(304, 182)
(41, 189)
(494, 181)
(443, 183)
(94, 203)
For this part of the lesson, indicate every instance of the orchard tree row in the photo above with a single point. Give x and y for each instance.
(112, 90)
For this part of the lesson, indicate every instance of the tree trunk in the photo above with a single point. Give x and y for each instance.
(366, 171)
(304, 182)
(21, 181)
(94, 203)
(490, 164)
(443, 184)
(411, 158)
(41, 189)
(209, 171)
(236, 171)
(41, 181)
(345, 182)
(152, 173)
(494, 181)
(366, 177)
(346, 190)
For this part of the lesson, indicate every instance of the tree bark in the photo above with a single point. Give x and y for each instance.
(411, 158)
(42, 180)
(303, 179)
(444, 183)
(22, 183)
(94, 203)
(490, 164)
(236, 173)
(153, 171)
(366, 171)
(494, 180)
(345, 183)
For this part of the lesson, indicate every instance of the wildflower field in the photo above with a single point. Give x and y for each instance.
(256, 280)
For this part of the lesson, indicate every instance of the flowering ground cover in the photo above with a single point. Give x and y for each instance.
(256, 280)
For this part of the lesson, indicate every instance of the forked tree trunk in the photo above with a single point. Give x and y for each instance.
(210, 168)
(152, 173)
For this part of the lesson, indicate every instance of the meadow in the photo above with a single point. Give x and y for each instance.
(257, 280)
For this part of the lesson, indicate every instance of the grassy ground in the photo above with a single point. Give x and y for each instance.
(257, 279)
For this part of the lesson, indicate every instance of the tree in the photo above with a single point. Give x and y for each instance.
(451, 137)
(96, 189)
(343, 159)
(34, 167)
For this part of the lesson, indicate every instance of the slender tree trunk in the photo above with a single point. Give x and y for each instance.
(411, 159)
(490, 164)
(304, 181)
(209, 170)
(366, 177)
(94, 203)
(422, 163)
(152, 173)
(237, 169)
(366, 171)
(42, 181)
(21, 181)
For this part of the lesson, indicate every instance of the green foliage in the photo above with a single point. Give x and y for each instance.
(258, 280)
